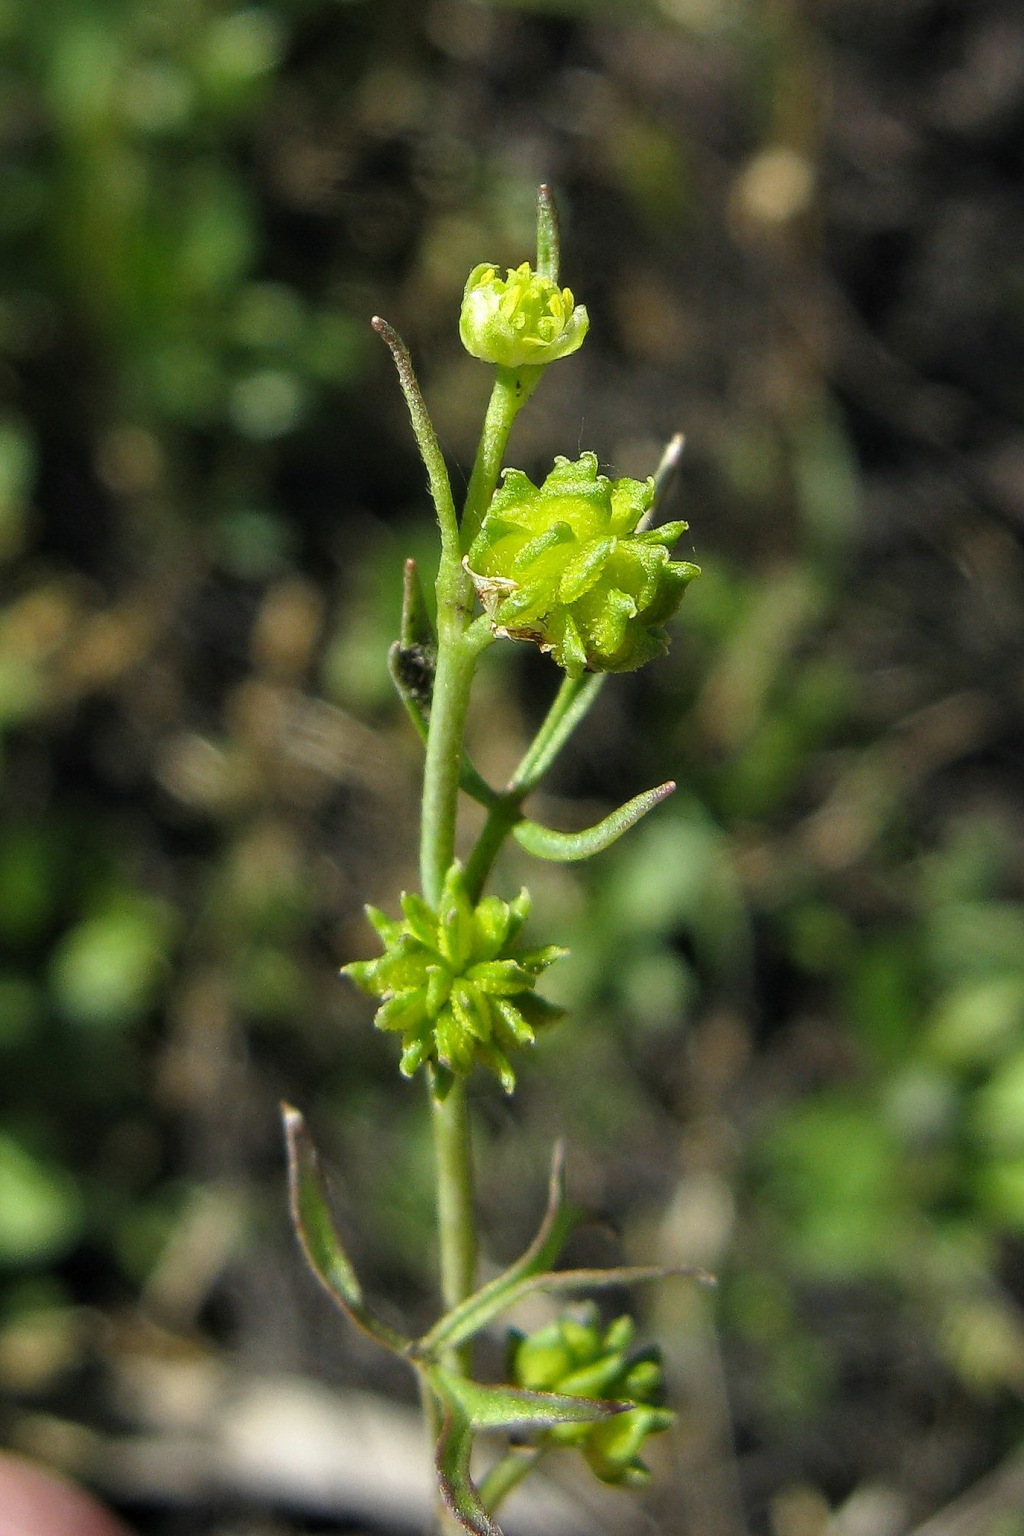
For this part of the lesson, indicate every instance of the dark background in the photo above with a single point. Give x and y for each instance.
(796, 1053)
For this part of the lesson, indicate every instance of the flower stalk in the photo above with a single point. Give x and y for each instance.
(574, 566)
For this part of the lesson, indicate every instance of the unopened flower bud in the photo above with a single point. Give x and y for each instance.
(519, 319)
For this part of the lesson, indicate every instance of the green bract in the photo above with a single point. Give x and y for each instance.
(575, 1355)
(519, 319)
(563, 565)
(452, 985)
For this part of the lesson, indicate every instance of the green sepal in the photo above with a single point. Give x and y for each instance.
(511, 1018)
(387, 929)
(362, 972)
(665, 534)
(569, 847)
(504, 978)
(319, 1238)
(404, 1012)
(419, 919)
(494, 926)
(467, 1319)
(456, 929)
(613, 1452)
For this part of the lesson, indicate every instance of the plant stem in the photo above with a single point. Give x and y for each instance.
(459, 645)
(570, 704)
(512, 388)
(507, 1474)
(502, 815)
(456, 660)
(456, 1223)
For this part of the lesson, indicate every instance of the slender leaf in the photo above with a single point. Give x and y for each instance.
(664, 476)
(462, 1322)
(547, 234)
(318, 1235)
(487, 1303)
(569, 847)
(516, 1408)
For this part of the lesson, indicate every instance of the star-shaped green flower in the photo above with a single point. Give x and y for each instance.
(452, 983)
(563, 565)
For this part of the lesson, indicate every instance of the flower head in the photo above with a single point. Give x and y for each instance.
(575, 1355)
(452, 983)
(519, 319)
(563, 565)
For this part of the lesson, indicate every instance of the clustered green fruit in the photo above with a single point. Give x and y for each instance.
(564, 566)
(520, 320)
(452, 984)
(575, 1355)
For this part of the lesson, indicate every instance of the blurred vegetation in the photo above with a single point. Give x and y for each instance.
(797, 1046)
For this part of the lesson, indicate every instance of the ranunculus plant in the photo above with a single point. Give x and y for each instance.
(578, 566)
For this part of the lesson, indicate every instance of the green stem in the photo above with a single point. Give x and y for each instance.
(457, 656)
(512, 388)
(507, 1474)
(502, 815)
(456, 1222)
(570, 704)
(459, 644)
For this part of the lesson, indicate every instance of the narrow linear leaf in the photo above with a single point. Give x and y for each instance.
(412, 659)
(569, 847)
(547, 234)
(454, 1448)
(664, 477)
(318, 1235)
(487, 1303)
(462, 1322)
(417, 625)
(426, 437)
(516, 1408)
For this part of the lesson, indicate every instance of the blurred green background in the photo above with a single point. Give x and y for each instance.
(796, 1053)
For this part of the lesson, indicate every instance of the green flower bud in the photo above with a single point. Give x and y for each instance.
(519, 319)
(576, 1356)
(563, 565)
(451, 982)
